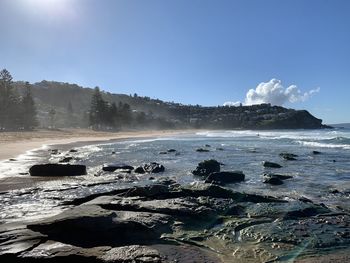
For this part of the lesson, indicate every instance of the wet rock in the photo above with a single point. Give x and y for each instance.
(150, 168)
(271, 165)
(111, 167)
(289, 156)
(207, 167)
(207, 145)
(54, 151)
(201, 150)
(139, 170)
(272, 180)
(215, 191)
(219, 149)
(91, 225)
(225, 177)
(175, 207)
(307, 212)
(134, 253)
(316, 152)
(66, 159)
(12, 160)
(171, 150)
(57, 170)
(73, 151)
(279, 176)
(14, 241)
(163, 152)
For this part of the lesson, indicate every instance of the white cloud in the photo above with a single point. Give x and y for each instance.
(275, 93)
(232, 103)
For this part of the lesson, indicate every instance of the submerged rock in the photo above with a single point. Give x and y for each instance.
(279, 176)
(52, 169)
(207, 167)
(66, 159)
(225, 177)
(150, 168)
(272, 180)
(316, 152)
(111, 167)
(201, 150)
(289, 156)
(271, 165)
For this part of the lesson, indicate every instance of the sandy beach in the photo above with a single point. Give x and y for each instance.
(13, 144)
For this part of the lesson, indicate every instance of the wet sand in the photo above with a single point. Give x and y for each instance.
(13, 144)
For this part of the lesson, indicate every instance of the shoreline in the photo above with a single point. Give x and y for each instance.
(14, 144)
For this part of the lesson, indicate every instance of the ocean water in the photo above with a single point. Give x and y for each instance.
(314, 176)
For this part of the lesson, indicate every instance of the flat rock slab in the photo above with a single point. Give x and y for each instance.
(52, 169)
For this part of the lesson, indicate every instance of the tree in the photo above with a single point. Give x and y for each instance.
(70, 108)
(29, 119)
(9, 102)
(98, 115)
(52, 114)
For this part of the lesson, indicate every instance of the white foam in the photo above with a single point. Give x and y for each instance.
(324, 145)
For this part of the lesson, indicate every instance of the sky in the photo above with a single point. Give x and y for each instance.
(294, 53)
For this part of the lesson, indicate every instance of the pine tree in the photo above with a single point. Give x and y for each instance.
(29, 119)
(98, 110)
(9, 102)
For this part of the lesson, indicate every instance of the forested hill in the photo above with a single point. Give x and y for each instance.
(71, 104)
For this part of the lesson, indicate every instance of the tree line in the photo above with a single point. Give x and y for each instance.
(16, 112)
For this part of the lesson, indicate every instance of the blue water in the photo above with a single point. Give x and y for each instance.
(313, 175)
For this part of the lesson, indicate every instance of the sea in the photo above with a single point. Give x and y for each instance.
(322, 178)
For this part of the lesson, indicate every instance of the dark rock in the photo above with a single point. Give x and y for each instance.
(91, 225)
(207, 167)
(201, 150)
(207, 145)
(171, 150)
(272, 180)
(316, 152)
(153, 167)
(163, 152)
(279, 176)
(307, 212)
(54, 151)
(139, 170)
(113, 152)
(73, 151)
(12, 160)
(66, 159)
(289, 156)
(57, 170)
(111, 167)
(271, 165)
(225, 177)
(334, 191)
(150, 168)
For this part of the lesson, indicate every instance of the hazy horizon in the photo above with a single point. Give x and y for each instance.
(290, 53)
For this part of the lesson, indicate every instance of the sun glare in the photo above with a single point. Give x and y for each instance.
(47, 7)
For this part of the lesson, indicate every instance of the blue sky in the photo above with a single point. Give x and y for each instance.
(189, 51)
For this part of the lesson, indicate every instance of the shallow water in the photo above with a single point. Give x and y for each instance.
(314, 176)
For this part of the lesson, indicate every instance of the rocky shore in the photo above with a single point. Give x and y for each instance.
(167, 222)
